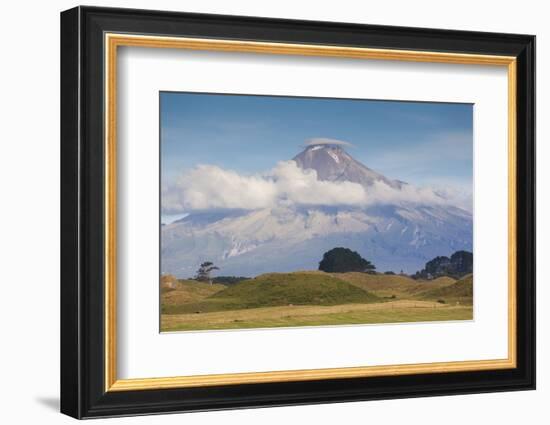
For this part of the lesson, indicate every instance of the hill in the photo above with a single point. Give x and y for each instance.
(461, 291)
(314, 298)
(398, 286)
(187, 291)
(279, 289)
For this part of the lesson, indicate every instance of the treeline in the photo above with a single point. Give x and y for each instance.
(343, 260)
(457, 265)
(229, 280)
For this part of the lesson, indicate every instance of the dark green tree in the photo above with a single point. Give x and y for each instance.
(203, 273)
(460, 264)
(341, 260)
(440, 265)
(463, 262)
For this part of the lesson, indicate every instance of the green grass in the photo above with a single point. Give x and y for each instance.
(401, 287)
(186, 291)
(314, 298)
(461, 291)
(385, 315)
(279, 289)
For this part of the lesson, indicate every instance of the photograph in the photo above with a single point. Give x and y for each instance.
(284, 211)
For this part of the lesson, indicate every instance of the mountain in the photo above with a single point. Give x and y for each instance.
(396, 235)
(333, 163)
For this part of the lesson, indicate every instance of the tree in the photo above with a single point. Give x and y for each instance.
(341, 260)
(463, 262)
(439, 266)
(203, 273)
(457, 266)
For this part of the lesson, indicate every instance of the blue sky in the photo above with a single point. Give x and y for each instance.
(420, 143)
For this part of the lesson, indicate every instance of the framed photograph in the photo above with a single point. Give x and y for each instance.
(261, 212)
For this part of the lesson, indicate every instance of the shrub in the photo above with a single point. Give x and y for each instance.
(229, 280)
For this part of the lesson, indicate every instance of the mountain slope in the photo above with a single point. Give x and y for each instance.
(394, 235)
(333, 163)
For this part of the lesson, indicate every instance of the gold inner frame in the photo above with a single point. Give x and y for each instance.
(113, 41)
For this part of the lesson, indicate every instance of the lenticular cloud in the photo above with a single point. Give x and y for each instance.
(326, 141)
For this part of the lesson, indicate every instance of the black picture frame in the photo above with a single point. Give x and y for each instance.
(83, 392)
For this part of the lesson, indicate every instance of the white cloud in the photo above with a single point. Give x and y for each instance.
(210, 187)
(460, 195)
(326, 141)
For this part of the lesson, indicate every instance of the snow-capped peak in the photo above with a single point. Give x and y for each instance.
(332, 163)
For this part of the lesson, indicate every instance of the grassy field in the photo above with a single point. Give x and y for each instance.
(188, 291)
(461, 291)
(401, 287)
(312, 298)
(275, 289)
